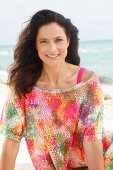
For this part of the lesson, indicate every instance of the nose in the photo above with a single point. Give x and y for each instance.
(52, 47)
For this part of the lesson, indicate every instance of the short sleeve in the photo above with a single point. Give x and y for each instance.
(12, 118)
(91, 117)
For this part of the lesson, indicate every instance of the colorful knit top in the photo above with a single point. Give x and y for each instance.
(55, 123)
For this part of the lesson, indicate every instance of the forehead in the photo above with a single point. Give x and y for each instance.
(51, 29)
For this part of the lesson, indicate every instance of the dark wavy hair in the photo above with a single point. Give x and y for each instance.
(27, 66)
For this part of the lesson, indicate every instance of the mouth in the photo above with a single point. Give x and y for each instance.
(53, 56)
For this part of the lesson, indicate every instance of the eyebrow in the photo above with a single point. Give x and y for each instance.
(40, 39)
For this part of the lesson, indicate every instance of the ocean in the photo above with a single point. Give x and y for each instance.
(95, 55)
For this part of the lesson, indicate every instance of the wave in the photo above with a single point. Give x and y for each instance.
(106, 80)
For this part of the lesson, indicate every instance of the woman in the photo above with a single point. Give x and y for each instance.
(54, 104)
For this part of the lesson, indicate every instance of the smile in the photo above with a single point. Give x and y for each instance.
(52, 56)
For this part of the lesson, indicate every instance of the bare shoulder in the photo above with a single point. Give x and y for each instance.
(87, 74)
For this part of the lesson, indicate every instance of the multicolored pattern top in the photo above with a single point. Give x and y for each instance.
(55, 123)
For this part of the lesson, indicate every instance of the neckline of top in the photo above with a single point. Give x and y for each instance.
(62, 90)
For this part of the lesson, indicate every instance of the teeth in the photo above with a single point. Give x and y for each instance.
(52, 56)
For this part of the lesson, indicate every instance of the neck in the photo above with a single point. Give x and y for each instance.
(55, 74)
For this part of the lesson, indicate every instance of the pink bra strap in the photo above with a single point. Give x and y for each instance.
(80, 72)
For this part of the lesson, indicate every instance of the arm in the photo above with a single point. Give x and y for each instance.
(94, 154)
(9, 154)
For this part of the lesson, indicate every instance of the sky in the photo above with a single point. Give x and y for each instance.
(93, 18)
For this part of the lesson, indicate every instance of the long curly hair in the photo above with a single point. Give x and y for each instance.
(27, 66)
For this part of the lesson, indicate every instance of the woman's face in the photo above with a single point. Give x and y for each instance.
(51, 44)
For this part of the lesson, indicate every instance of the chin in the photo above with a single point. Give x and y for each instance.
(54, 63)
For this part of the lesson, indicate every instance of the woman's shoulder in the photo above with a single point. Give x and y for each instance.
(91, 79)
(14, 98)
(93, 84)
(83, 75)
(87, 74)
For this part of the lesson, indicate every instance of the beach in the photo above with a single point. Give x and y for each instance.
(23, 160)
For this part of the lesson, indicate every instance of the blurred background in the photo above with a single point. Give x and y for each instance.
(94, 20)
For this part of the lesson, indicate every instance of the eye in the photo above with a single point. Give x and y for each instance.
(43, 42)
(59, 39)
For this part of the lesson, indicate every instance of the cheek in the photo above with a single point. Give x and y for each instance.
(41, 50)
(64, 47)
(61, 46)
